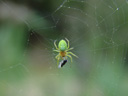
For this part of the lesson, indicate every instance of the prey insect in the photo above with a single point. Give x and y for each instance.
(62, 63)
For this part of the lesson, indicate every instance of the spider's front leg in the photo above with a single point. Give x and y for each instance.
(71, 59)
(58, 58)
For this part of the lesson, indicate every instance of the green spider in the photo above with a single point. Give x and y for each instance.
(64, 50)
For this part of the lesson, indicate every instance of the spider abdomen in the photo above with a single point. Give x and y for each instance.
(62, 45)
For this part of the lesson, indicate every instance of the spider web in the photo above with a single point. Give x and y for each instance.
(97, 29)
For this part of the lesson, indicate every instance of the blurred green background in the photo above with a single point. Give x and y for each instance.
(98, 31)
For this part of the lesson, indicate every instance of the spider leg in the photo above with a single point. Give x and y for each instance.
(58, 58)
(72, 54)
(69, 49)
(55, 45)
(70, 58)
(68, 42)
(56, 50)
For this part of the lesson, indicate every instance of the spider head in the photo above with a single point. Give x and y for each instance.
(62, 45)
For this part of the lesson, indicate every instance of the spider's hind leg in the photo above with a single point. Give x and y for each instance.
(68, 42)
(56, 50)
(69, 49)
(55, 45)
